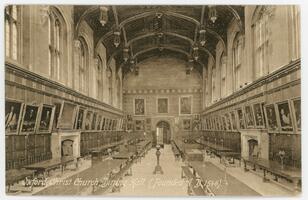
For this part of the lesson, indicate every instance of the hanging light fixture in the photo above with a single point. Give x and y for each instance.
(195, 53)
(190, 65)
(132, 64)
(103, 17)
(125, 54)
(136, 70)
(212, 13)
(116, 37)
(202, 35)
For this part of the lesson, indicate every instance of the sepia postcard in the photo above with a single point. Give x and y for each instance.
(152, 100)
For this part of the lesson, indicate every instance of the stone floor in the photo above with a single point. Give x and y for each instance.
(144, 183)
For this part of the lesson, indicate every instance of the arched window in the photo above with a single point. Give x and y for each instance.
(261, 41)
(118, 91)
(236, 58)
(99, 78)
(109, 80)
(296, 29)
(57, 43)
(82, 58)
(213, 83)
(223, 71)
(12, 20)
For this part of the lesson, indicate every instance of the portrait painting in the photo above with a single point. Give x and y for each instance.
(297, 112)
(58, 107)
(233, 120)
(103, 123)
(271, 117)
(249, 117)
(241, 120)
(46, 118)
(258, 114)
(224, 123)
(110, 124)
(162, 105)
(217, 123)
(139, 107)
(93, 123)
(185, 105)
(99, 122)
(88, 120)
(80, 118)
(67, 116)
(13, 111)
(29, 119)
(285, 116)
(228, 121)
(186, 124)
(139, 125)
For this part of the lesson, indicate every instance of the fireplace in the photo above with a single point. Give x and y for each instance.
(65, 144)
(255, 143)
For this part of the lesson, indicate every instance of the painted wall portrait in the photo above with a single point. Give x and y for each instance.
(29, 120)
(88, 120)
(233, 120)
(110, 124)
(139, 107)
(80, 118)
(162, 105)
(186, 124)
(67, 116)
(103, 124)
(185, 105)
(224, 123)
(285, 116)
(297, 112)
(228, 122)
(99, 122)
(258, 114)
(93, 123)
(58, 107)
(139, 125)
(46, 118)
(196, 124)
(13, 111)
(217, 123)
(249, 117)
(241, 120)
(271, 117)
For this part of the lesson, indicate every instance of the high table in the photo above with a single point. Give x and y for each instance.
(218, 182)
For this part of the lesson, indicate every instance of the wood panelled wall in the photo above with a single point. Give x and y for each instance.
(282, 85)
(31, 88)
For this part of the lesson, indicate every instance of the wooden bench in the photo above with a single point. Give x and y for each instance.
(15, 175)
(46, 166)
(219, 182)
(289, 173)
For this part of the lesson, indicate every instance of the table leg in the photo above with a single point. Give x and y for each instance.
(245, 166)
(296, 185)
(264, 176)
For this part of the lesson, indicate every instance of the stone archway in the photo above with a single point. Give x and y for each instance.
(166, 129)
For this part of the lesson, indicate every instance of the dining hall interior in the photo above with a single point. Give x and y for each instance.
(152, 100)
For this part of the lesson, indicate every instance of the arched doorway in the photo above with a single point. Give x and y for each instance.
(67, 147)
(166, 131)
